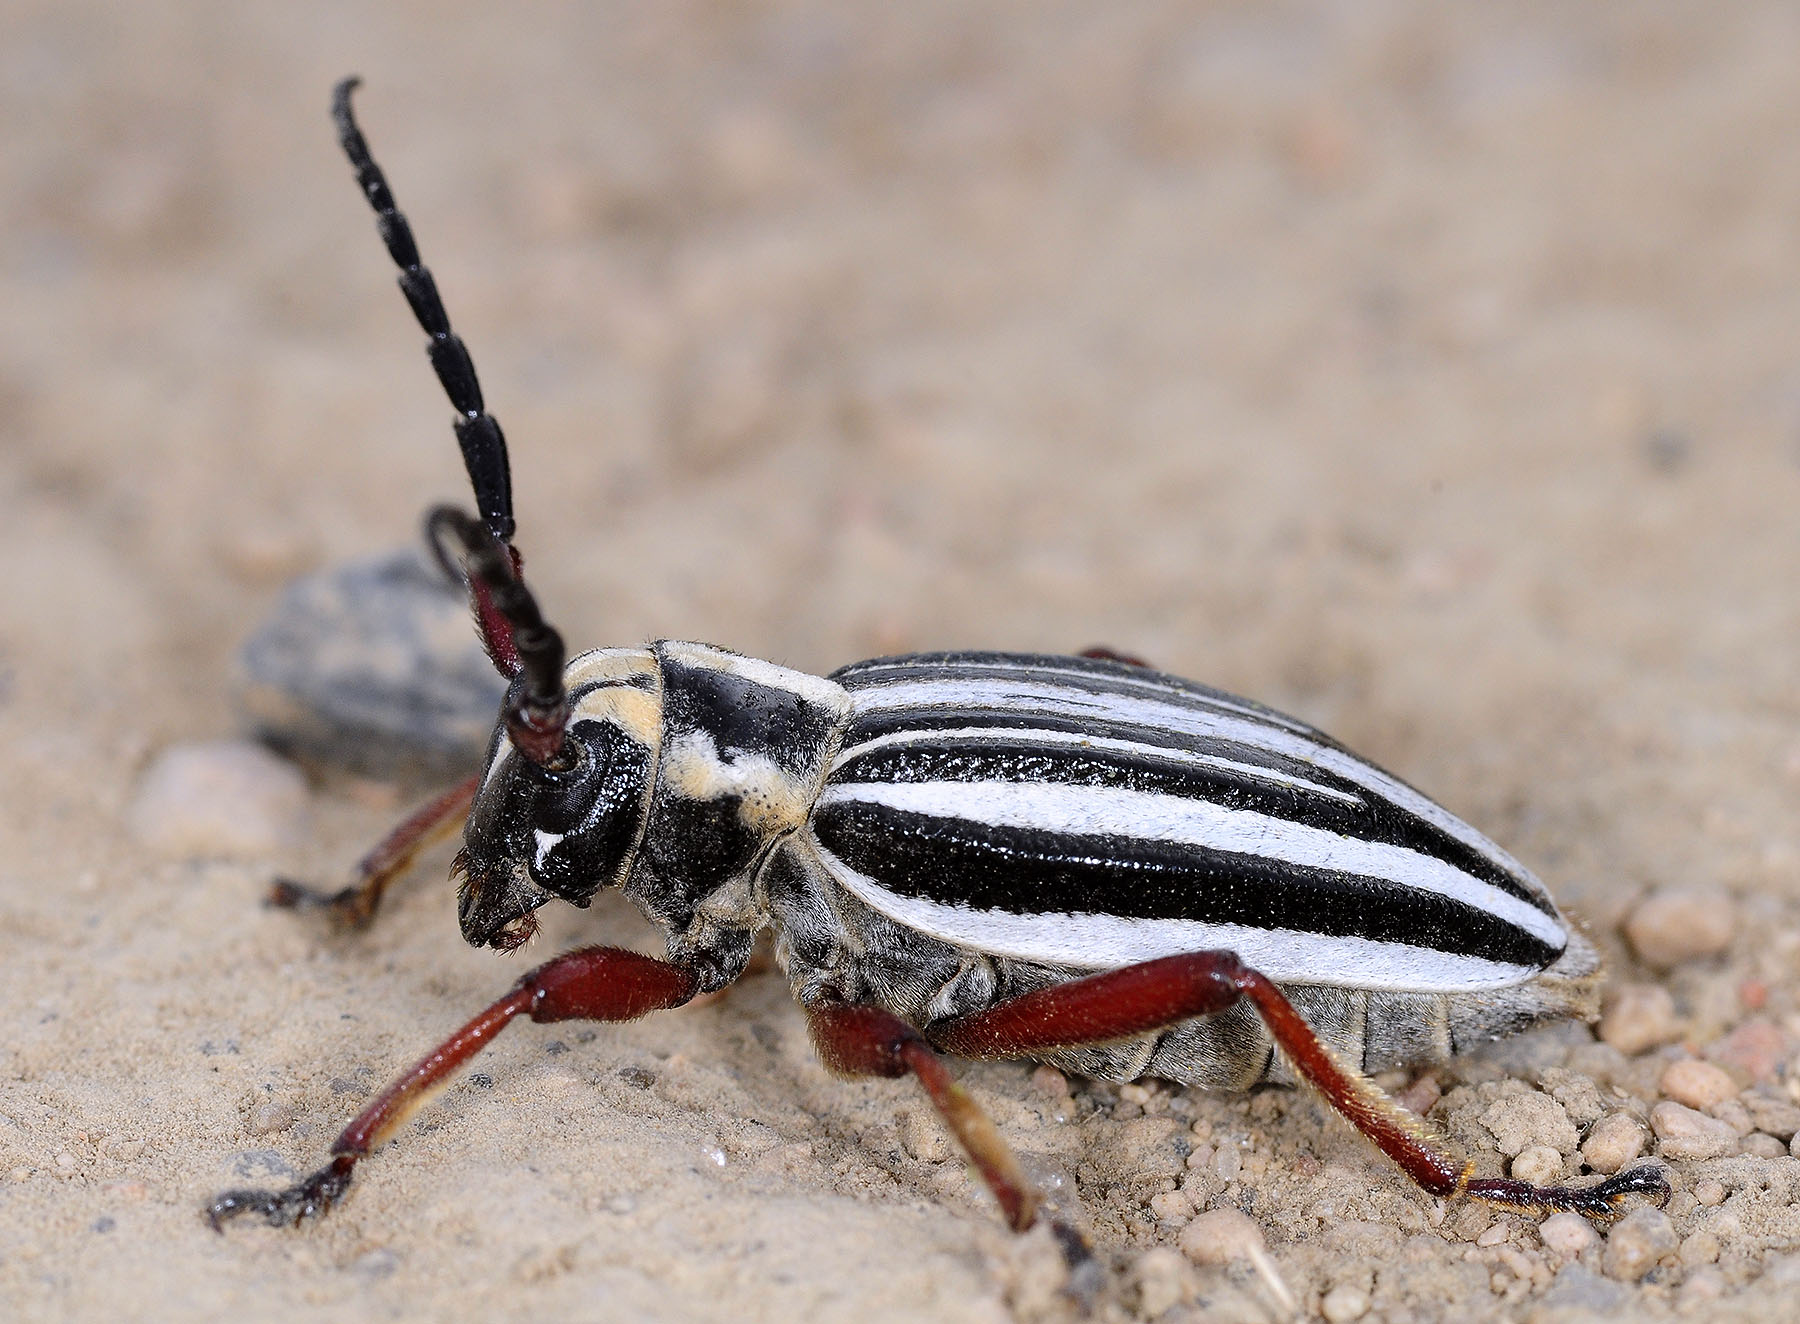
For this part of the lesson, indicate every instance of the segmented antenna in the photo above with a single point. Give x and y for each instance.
(537, 706)
(523, 646)
(477, 431)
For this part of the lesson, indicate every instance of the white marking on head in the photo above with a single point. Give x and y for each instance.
(546, 842)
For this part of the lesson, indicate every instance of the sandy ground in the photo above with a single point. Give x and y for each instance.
(1430, 373)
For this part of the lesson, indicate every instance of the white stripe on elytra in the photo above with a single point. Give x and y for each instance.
(1105, 942)
(1023, 697)
(1008, 735)
(1146, 685)
(1149, 816)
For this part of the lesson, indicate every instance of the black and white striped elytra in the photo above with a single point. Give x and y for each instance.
(941, 832)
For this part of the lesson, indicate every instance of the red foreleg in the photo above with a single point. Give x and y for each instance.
(1154, 995)
(594, 984)
(354, 906)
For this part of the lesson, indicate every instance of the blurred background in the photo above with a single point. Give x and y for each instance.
(1432, 372)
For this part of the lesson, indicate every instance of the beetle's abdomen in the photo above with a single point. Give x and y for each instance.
(1090, 814)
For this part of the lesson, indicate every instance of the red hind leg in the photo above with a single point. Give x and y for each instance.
(1101, 653)
(593, 984)
(1140, 999)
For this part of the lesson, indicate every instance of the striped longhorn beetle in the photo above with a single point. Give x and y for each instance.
(1075, 859)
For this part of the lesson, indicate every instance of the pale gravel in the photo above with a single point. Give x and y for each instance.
(1426, 371)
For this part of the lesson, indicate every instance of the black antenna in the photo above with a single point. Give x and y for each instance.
(523, 646)
(537, 706)
(477, 431)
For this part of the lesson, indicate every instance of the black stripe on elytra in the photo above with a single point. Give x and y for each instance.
(1387, 820)
(1028, 872)
(1016, 760)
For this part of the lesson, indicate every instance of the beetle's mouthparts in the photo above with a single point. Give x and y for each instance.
(495, 905)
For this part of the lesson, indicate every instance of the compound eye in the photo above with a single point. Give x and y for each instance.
(568, 792)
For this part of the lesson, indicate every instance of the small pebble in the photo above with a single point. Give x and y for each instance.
(378, 1263)
(1613, 1141)
(1162, 1279)
(1700, 1247)
(1567, 1234)
(1345, 1302)
(1686, 1134)
(1174, 1207)
(1772, 1114)
(1709, 1192)
(1638, 1017)
(219, 797)
(1757, 1048)
(1538, 1164)
(1220, 1236)
(1519, 1121)
(1762, 1146)
(1733, 1113)
(1049, 1082)
(1697, 1084)
(923, 1135)
(1421, 1096)
(272, 1115)
(1228, 1161)
(1673, 925)
(1494, 1235)
(1637, 1242)
(267, 553)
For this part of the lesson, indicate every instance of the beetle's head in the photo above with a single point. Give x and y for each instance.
(566, 828)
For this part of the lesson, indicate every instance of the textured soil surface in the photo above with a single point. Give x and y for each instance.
(1431, 373)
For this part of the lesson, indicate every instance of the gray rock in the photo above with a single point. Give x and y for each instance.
(374, 667)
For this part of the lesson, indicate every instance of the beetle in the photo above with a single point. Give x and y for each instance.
(1078, 859)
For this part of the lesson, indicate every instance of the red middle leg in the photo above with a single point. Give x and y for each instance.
(861, 1040)
(1140, 999)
